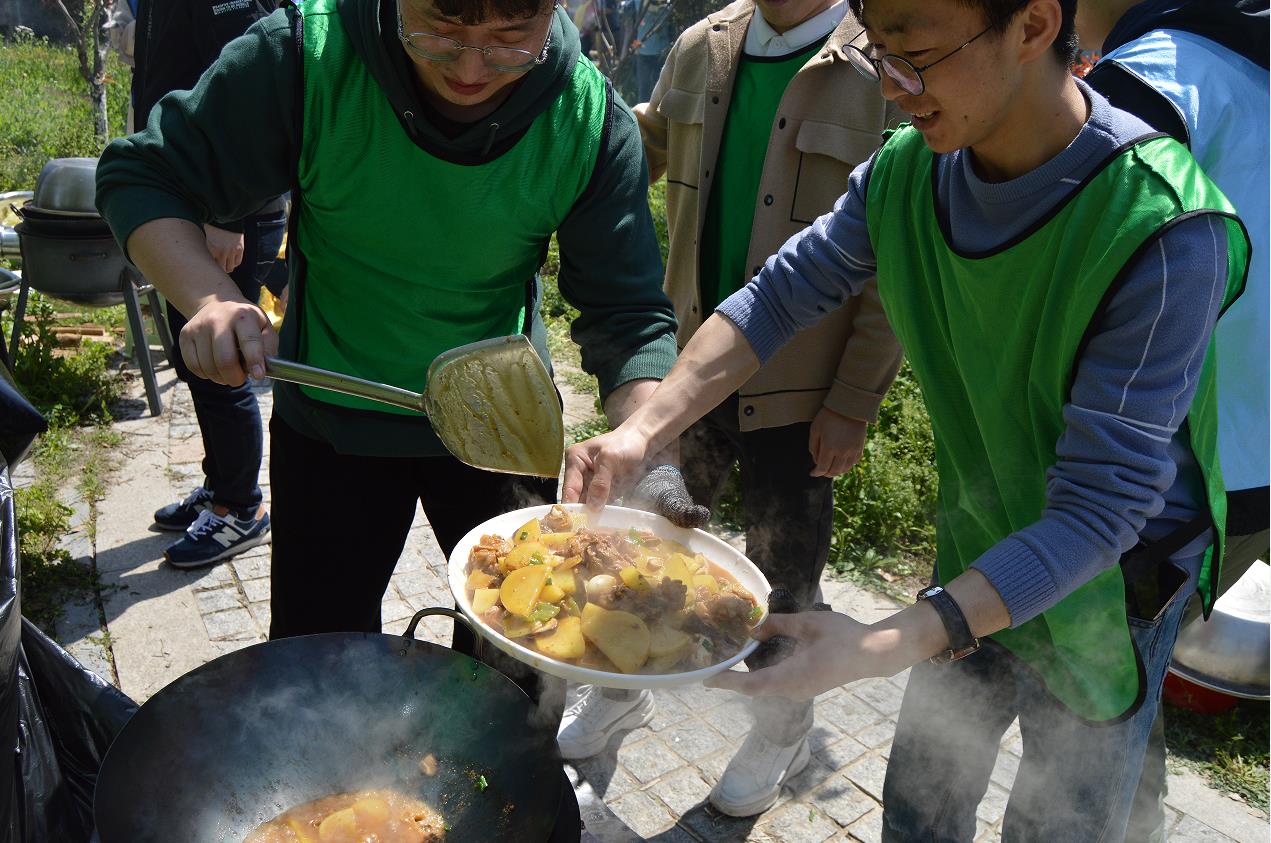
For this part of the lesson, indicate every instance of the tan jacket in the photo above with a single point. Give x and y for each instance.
(829, 120)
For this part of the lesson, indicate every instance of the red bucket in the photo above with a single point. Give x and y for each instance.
(1186, 694)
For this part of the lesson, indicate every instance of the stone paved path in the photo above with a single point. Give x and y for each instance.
(160, 622)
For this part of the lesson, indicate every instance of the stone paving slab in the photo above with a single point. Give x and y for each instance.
(161, 622)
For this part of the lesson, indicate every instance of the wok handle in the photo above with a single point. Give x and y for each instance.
(286, 370)
(477, 647)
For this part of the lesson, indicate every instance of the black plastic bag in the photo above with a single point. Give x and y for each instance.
(56, 717)
(20, 423)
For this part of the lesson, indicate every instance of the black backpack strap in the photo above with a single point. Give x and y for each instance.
(1128, 92)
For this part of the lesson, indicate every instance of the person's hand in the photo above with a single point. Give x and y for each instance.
(831, 650)
(836, 443)
(225, 340)
(603, 467)
(663, 491)
(226, 247)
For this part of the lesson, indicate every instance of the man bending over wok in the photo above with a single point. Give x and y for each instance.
(432, 148)
(1053, 271)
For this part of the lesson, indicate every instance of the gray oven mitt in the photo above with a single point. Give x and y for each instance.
(663, 492)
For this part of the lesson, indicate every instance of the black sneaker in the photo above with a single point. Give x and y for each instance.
(214, 537)
(179, 516)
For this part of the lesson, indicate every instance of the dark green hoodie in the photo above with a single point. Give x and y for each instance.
(217, 152)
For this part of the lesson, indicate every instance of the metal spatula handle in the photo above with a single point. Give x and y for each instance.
(286, 370)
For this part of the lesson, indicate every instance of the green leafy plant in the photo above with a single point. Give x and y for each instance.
(49, 576)
(884, 513)
(71, 389)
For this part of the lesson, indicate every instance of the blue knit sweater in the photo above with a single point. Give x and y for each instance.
(1124, 471)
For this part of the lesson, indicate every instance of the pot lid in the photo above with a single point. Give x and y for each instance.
(67, 184)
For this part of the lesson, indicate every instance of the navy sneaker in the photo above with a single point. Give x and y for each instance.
(214, 537)
(179, 516)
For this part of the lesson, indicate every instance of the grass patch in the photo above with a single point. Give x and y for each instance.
(45, 112)
(49, 577)
(1229, 750)
(884, 509)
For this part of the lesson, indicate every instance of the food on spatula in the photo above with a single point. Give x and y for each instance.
(383, 816)
(624, 601)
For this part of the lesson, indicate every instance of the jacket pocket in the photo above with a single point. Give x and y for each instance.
(827, 155)
(684, 112)
(683, 106)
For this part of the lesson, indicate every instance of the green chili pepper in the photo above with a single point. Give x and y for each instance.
(754, 614)
(543, 613)
(482, 784)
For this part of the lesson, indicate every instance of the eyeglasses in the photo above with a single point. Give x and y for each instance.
(899, 70)
(433, 47)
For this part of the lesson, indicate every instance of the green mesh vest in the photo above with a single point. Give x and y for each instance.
(994, 340)
(408, 255)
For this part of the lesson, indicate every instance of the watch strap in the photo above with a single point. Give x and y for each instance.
(961, 642)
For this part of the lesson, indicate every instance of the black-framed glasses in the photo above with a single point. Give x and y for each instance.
(901, 71)
(434, 47)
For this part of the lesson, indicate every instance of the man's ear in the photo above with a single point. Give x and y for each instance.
(1037, 25)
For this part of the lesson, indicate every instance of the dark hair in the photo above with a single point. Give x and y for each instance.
(999, 13)
(473, 12)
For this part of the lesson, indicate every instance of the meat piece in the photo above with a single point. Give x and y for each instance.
(485, 556)
(428, 765)
(557, 520)
(653, 604)
(604, 556)
(727, 606)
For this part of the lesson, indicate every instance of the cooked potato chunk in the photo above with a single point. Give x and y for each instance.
(521, 589)
(621, 636)
(484, 599)
(528, 532)
(341, 825)
(665, 641)
(527, 553)
(480, 579)
(565, 642)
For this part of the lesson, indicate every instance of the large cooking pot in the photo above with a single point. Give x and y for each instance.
(76, 267)
(1231, 652)
(239, 740)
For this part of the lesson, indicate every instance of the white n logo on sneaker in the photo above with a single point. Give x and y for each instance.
(226, 536)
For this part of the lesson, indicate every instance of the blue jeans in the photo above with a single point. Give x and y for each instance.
(1076, 781)
(229, 417)
(648, 69)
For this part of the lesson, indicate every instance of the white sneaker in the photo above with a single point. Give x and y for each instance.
(752, 782)
(594, 718)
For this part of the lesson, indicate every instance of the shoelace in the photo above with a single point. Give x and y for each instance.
(207, 523)
(198, 496)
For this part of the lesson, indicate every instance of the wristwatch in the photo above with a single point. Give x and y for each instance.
(961, 642)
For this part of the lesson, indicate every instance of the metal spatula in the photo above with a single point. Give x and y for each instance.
(492, 403)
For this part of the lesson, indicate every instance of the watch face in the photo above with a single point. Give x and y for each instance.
(932, 591)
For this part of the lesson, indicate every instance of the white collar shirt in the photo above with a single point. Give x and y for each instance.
(763, 41)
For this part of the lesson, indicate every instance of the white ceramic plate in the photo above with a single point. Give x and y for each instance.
(612, 517)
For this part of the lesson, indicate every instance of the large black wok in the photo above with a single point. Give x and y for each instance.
(248, 735)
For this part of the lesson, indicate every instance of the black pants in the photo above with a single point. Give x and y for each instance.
(788, 512)
(340, 523)
(228, 416)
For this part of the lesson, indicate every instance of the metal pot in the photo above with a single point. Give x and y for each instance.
(239, 740)
(82, 269)
(40, 221)
(1231, 652)
(67, 185)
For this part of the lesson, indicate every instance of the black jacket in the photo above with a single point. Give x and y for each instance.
(176, 40)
